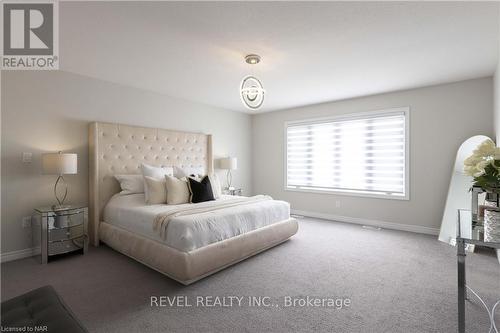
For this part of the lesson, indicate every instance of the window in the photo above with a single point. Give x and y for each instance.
(364, 154)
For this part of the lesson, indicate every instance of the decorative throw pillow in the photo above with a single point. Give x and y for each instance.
(177, 190)
(200, 191)
(216, 186)
(188, 172)
(156, 191)
(131, 184)
(154, 172)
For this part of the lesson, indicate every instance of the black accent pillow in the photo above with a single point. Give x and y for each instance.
(200, 190)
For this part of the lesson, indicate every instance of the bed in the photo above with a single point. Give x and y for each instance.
(199, 239)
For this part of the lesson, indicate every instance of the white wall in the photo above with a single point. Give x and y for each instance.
(442, 117)
(496, 104)
(50, 111)
(496, 98)
(496, 88)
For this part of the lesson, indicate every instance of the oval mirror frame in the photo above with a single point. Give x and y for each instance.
(459, 196)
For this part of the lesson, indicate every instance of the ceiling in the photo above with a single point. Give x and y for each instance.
(312, 52)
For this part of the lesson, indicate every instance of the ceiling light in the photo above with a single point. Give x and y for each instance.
(251, 90)
(252, 59)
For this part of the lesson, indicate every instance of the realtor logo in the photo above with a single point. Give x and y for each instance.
(30, 36)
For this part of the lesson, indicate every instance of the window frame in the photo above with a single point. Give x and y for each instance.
(350, 116)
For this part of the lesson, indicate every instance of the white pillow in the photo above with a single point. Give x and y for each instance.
(156, 190)
(177, 190)
(154, 172)
(131, 184)
(216, 186)
(188, 171)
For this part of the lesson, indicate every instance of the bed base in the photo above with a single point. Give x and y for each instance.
(189, 267)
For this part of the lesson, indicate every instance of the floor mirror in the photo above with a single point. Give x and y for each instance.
(459, 196)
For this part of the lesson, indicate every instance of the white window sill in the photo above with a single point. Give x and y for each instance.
(350, 193)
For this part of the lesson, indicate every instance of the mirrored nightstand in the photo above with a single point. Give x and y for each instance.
(60, 231)
(233, 191)
(470, 232)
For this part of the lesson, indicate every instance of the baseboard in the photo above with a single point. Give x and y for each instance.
(19, 254)
(375, 223)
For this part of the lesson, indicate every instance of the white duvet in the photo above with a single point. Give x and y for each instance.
(189, 232)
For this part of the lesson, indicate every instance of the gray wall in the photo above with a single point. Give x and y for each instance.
(442, 117)
(50, 111)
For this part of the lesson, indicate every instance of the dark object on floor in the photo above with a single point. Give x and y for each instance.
(42, 310)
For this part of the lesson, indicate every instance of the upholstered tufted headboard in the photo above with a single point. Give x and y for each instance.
(120, 149)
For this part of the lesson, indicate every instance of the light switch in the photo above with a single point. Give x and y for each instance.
(27, 157)
(26, 222)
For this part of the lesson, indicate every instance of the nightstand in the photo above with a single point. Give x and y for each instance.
(234, 191)
(60, 231)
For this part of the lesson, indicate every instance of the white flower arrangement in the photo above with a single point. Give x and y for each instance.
(484, 165)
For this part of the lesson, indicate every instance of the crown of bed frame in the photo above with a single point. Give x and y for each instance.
(121, 149)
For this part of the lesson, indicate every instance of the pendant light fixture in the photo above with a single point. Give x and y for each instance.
(251, 90)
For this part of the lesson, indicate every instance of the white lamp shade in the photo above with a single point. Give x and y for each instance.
(59, 164)
(229, 163)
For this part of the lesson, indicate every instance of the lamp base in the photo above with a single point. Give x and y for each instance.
(229, 178)
(60, 201)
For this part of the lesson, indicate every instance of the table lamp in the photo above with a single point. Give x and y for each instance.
(229, 163)
(59, 164)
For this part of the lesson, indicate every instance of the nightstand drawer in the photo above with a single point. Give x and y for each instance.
(66, 246)
(62, 220)
(66, 233)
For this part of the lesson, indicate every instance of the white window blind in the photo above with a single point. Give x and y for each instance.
(358, 154)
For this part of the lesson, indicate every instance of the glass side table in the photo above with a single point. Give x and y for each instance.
(470, 232)
(233, 191)
(60, 231)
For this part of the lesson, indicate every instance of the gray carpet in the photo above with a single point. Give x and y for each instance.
(396, 281)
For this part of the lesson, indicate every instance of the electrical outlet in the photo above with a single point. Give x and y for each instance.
(337, 203)
(26, 222)
(27, 157)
